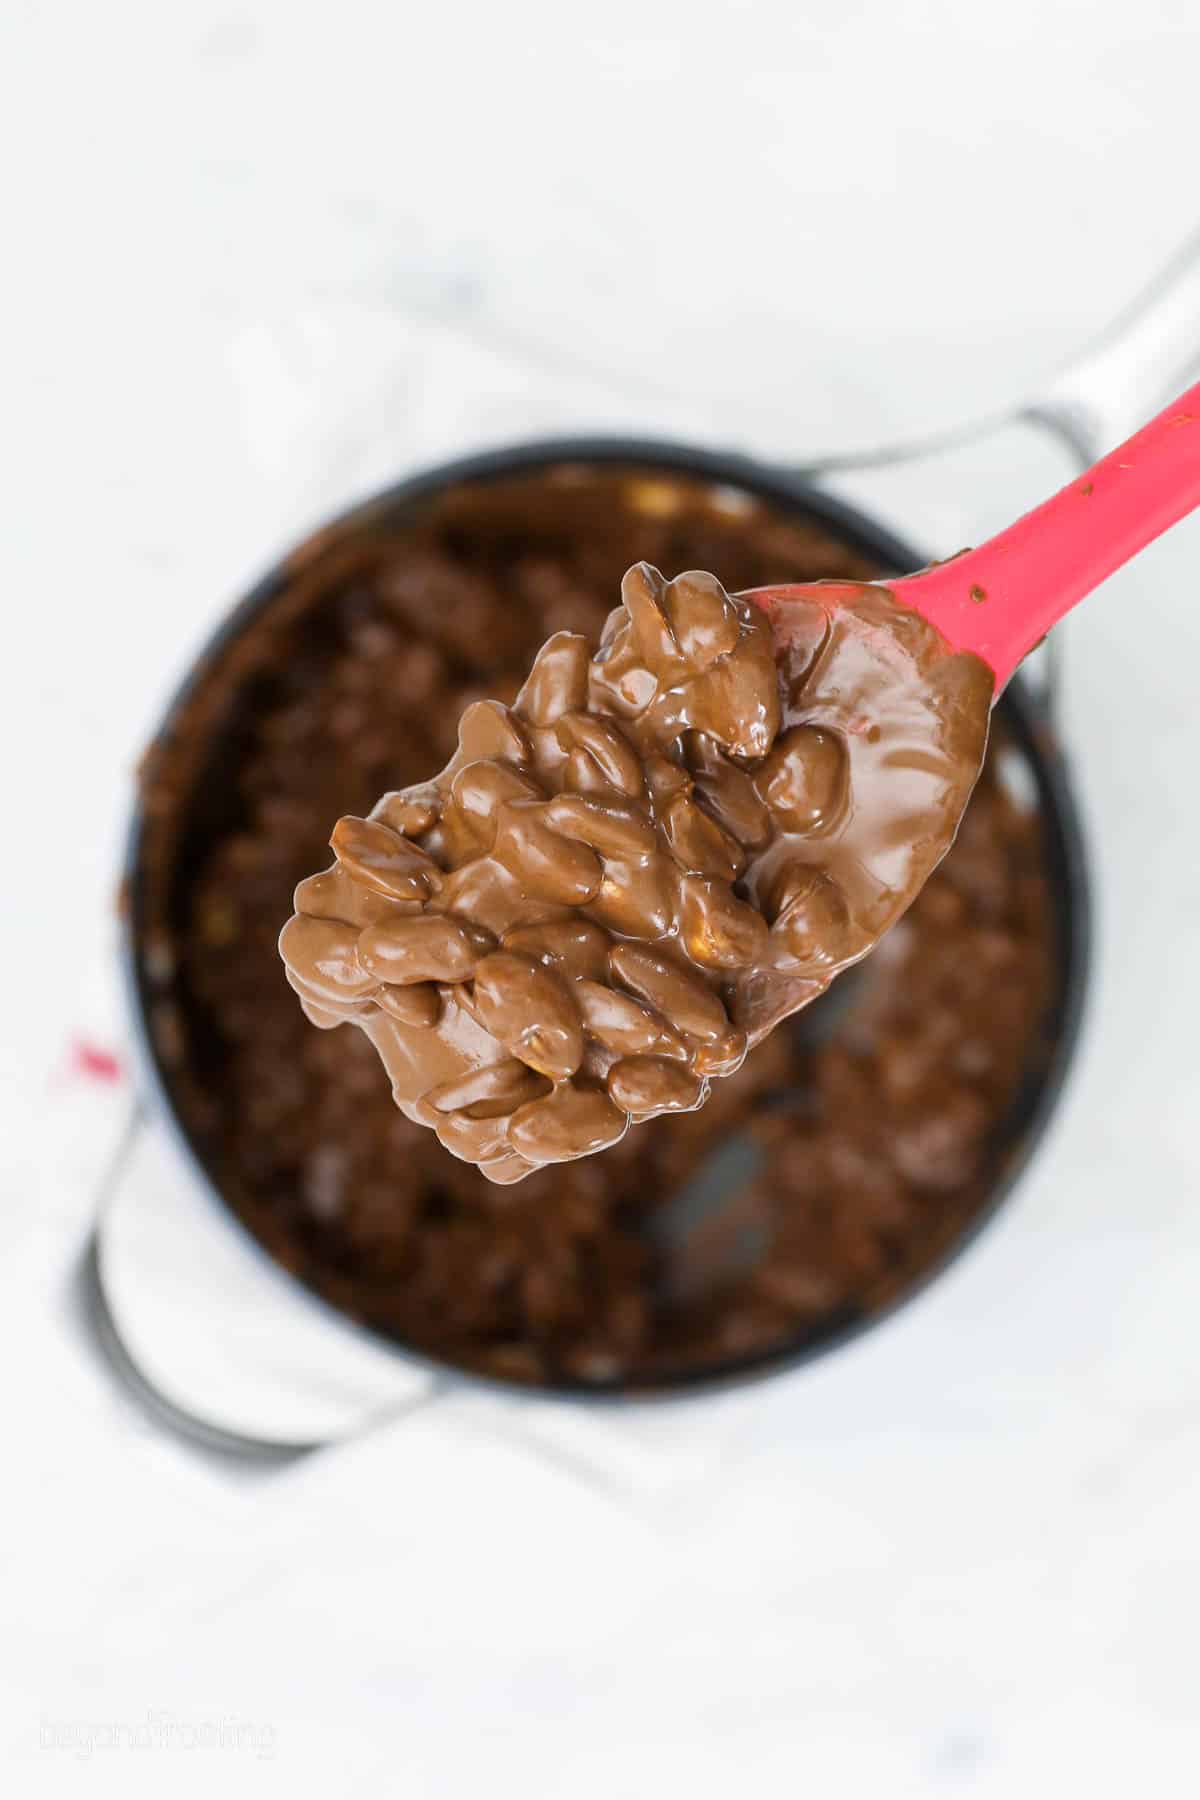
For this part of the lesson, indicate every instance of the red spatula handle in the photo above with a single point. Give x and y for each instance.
(1001, 599)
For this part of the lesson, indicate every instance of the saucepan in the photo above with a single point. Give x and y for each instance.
(289, 1372)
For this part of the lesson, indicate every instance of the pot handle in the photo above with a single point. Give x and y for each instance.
(1150, 352)
(222, 1349)
(235, 1360)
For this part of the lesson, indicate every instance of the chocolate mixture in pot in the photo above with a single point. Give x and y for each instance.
(621, 882)
(854, 1152)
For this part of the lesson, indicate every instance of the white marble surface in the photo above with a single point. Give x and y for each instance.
(262, 256)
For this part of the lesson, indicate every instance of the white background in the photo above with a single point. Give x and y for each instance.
(258, 257)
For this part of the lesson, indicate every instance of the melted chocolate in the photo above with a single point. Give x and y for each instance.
(868, 1133)
(623, 881)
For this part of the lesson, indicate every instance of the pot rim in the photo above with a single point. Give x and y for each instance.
(1034, 729)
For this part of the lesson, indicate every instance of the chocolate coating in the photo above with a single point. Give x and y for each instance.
(877, 1130)
(738, 808)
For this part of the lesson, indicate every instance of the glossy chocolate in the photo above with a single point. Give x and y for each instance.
(666, 844)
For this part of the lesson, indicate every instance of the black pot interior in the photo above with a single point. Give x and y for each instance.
(1033, 756)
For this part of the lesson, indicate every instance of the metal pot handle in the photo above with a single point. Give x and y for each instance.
(1149, 352)
(138, 1187)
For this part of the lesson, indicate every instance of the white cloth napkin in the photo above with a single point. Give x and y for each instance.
(337, 402)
